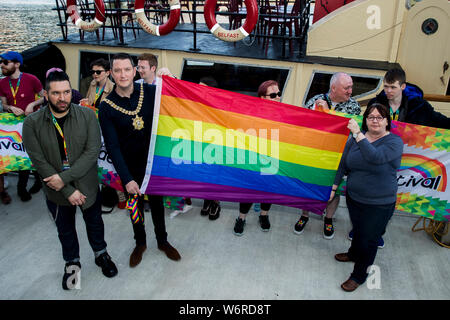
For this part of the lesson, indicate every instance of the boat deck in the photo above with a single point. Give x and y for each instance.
(182, 40)
(215, 264)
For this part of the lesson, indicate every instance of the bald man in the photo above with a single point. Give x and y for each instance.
(337, 98)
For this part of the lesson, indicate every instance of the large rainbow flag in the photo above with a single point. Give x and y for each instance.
(210, 143)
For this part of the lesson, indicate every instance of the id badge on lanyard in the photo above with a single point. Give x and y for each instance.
(65, 164)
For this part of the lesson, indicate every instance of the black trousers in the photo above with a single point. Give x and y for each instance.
(64, 217)
(369, 224)
(23, 179)
(157, 211)
(245, 207)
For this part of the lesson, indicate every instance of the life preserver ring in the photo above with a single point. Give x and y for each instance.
(98, 21)
(231, 35)
(174, 17)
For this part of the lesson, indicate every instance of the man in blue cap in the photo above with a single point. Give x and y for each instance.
(18, 92)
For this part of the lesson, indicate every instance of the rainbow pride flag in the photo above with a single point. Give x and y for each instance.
(210, 143)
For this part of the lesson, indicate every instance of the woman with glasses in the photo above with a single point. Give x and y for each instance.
(370, 160)
(267, 90)
(101, 85)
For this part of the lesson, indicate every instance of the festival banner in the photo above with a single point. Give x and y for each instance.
(423, 174)
(13, 156)
(210, 143)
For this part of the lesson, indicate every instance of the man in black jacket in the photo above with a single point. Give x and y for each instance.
(126, 120)
(406, 103)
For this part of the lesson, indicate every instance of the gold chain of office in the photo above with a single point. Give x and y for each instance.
(138, 123)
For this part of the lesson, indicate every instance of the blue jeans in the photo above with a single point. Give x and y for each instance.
(369, 224)
(64, 217)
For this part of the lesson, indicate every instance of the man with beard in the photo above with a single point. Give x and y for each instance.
(67, 159)
(126, 117)
(17, 92)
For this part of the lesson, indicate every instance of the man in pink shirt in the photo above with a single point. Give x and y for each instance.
(18, 92)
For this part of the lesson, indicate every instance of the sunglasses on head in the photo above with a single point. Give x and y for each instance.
(273, 95)
(97, 71)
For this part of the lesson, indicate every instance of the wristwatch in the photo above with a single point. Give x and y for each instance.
(355, 135)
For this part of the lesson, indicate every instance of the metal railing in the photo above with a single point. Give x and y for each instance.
(120, 18)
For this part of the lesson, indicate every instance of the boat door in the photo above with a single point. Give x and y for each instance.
(424, 49)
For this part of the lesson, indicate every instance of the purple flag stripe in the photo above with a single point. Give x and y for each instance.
(194, 189)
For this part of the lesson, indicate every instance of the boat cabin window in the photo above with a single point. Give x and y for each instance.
(239, 78)
(86, 58)
(363, 85)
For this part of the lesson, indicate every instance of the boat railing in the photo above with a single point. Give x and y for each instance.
(120, 19)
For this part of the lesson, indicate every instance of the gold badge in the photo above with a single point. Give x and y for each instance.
(138, 123)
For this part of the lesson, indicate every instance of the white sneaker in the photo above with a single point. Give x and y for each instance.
(186, 208)
(174, 214)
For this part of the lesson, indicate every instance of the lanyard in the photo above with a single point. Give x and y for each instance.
(66, 163)
(330, 104)
(394, 115)
(97, 94)
(14, 91)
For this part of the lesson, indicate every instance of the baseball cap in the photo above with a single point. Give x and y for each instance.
(12, 55)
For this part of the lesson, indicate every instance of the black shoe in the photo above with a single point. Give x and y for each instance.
(206, 208)
(71, 275)
(24, 195)
(214, 211)
(300, 225)
(35, 187)
(264, 222)
(328, 229)
(104, 261)
(239, 227)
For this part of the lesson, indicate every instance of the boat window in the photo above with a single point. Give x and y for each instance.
(86, 57)
(363, 85)
(239, 78)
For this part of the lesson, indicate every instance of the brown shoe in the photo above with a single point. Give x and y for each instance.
(342, 257)
(136, 255)
(6, 199)
(349, 285)
(170, 251)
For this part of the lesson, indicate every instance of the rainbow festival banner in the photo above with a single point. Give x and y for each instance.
(13, 156)
(423, 174)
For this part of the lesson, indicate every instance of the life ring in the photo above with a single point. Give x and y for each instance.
(174, 17)
(231, 35)
(98, 21)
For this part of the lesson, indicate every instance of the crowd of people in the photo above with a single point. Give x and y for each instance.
(65, 158)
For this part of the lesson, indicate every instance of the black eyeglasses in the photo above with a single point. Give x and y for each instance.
(5, 62)
(372, 118)
(273, 95)
(97, 71)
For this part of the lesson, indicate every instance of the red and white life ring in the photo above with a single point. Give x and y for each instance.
(231, 35)
(174, 17)
(98, 21)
